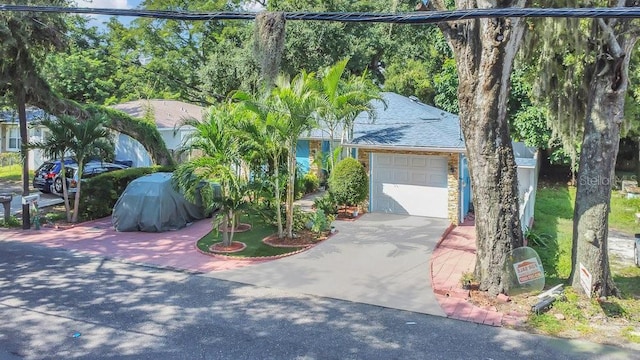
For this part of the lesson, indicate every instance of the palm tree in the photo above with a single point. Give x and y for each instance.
(56, 146)
(294, 101)
(216, 137)
(88, 138)
(266, 132)
(342, 100)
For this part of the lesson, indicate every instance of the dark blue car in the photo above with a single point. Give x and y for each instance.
(45, 176)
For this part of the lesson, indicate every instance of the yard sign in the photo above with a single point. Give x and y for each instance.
(528, 270)
(585, 280)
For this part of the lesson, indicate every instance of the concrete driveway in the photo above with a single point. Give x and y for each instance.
(380, 259)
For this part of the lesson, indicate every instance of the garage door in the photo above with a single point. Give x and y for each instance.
(409, 185)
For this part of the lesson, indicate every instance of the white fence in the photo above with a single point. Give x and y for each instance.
(528, 172)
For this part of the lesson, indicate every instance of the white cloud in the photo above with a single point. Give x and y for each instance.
(104, 4)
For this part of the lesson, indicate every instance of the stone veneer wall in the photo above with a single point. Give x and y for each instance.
(315, 146)
(453, 183)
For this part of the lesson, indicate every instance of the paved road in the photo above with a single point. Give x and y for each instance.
(123, 311)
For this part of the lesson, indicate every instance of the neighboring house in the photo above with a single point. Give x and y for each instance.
(10, 139)
(167, 115)
(414, 155)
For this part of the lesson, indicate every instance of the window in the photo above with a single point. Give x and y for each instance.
(14, 138)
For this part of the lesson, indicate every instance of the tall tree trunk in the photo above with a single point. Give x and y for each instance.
(291, 167)
(76, 200)
(65, 190)
(604, 115)
(24, 152)
(276, 182)
(484, 50)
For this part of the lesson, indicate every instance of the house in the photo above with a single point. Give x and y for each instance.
(10, 139)
(168, 116)
(415, 157)
(313, 143)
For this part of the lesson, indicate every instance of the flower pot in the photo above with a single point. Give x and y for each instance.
(333, 229)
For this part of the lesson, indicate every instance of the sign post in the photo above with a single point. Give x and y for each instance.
(31, 202)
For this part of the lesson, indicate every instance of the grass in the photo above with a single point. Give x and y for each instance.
(623, 213)
(554, 220)
(252, 238)
(12, 173)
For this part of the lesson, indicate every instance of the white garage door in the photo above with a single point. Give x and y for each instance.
(409, 185)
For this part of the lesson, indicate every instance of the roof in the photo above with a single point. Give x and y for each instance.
(322, 133)
(33, 114)
(407, 123)
(166, 113)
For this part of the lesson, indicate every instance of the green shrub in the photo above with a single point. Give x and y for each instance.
(348, 182)
(100, 193)
(12, 223)
(327, 203)
(321, 221)
(311, 183)
(301, 218)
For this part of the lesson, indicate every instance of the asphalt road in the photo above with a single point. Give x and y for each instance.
(58, 305)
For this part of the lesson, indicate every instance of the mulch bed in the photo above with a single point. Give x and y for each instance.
(234, 247)
(346, 214)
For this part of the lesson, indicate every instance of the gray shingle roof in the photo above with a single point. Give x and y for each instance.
(166, 113)
(33, 114)
(408, 123)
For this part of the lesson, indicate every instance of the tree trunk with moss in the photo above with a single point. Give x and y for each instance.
(484, 50)
(604, 116)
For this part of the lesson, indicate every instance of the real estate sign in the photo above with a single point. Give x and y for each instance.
(585, 280)
(528, 270)
(524, 271)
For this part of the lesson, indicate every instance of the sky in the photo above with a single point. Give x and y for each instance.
(125, 4)
(108, 4)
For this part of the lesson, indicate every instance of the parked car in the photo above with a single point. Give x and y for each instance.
(45, 176)
(90, 170)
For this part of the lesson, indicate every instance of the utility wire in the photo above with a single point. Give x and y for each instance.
(419, 17)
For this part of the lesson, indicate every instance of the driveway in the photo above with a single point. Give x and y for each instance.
(380, 259)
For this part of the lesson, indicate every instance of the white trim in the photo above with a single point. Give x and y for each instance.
(10, 137)
(373, 148)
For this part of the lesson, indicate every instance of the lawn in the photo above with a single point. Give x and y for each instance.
(252, 238)
(554, 220)
(12, 173)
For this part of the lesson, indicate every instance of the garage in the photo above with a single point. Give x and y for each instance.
(409, 185)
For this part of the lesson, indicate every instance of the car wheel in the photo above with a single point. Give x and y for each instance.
(57, 185)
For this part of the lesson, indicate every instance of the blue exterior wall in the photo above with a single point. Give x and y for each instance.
(302, 156)
(465, 187)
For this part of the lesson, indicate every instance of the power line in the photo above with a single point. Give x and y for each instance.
(420, 17)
